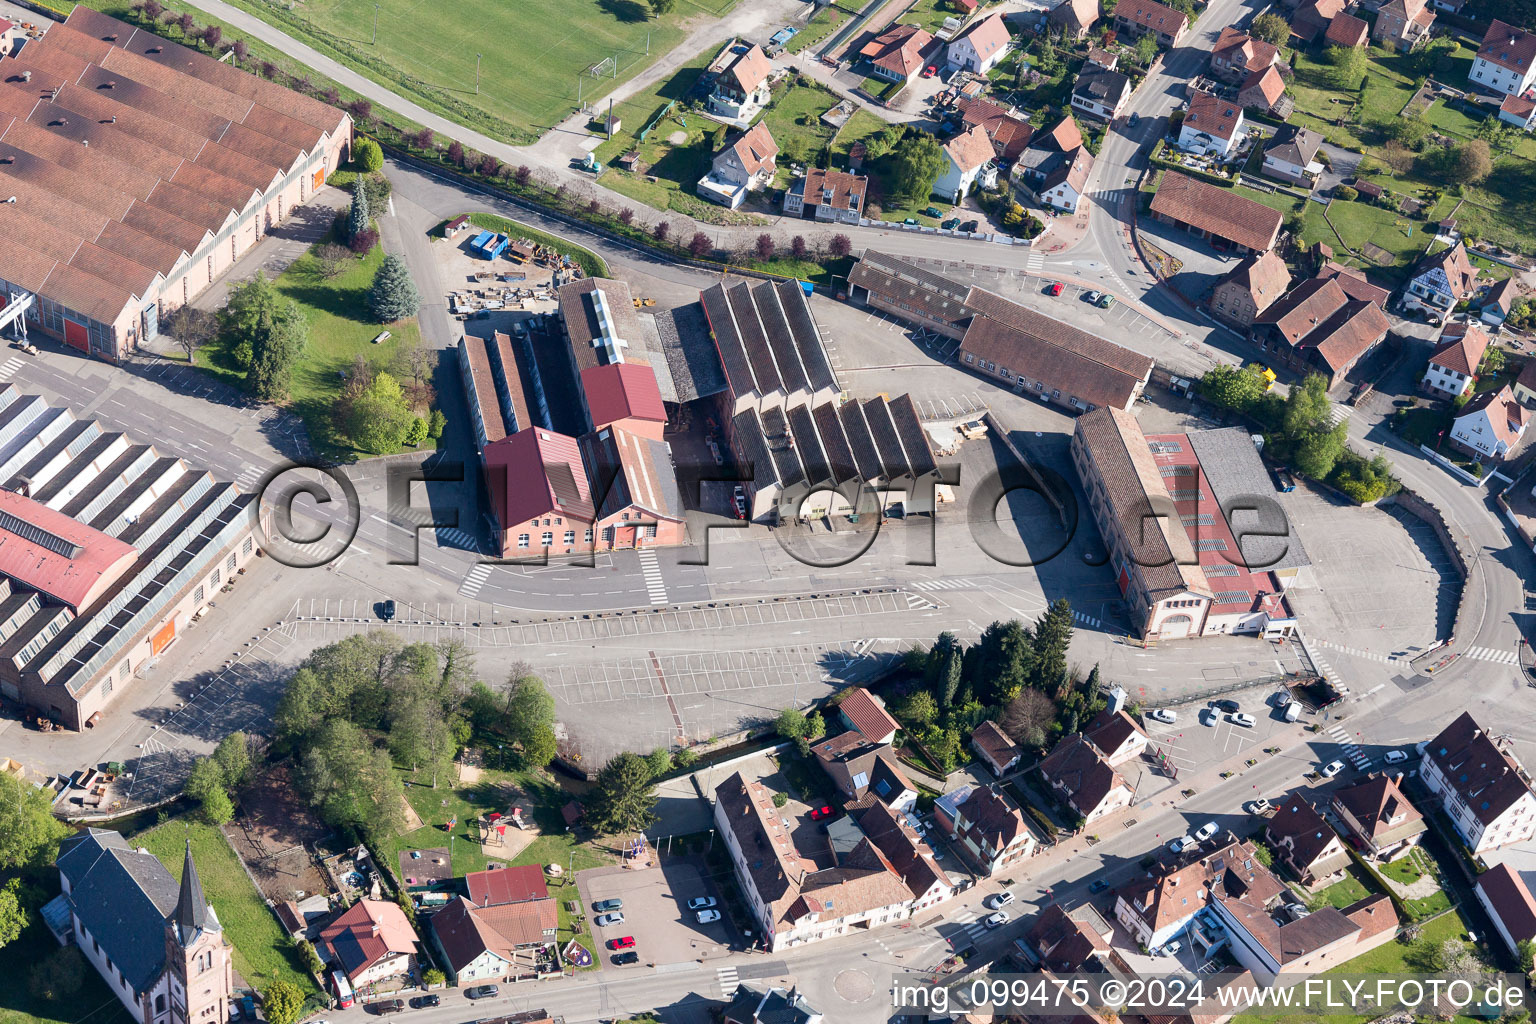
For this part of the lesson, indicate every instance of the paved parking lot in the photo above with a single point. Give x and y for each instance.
(656, 914)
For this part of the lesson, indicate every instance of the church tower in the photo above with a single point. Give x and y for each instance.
(197, 957)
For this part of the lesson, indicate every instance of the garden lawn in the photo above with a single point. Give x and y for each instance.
(825, 274)
(494, 792)
(638, 111)
(591, 263)
(794, 119)
(434, 62)
(822, 24)
(859, 127)
(1357, 223)
(1350, 889)
(262, 951)
(1274, 200)
(928, 15)
(340, 329)
(1424, 425)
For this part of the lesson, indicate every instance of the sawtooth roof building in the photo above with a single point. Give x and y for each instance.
(141, 171)
(108, 549)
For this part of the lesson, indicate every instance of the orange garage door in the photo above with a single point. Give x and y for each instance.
(77, 335)
(163, 638)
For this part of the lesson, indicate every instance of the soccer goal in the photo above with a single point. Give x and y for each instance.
(606, 66)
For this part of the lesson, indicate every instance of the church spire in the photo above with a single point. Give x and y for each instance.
(191, 906)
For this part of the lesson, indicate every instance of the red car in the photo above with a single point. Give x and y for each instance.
(825, 811)
(930, 71)
(1054, 289)
(627, 942)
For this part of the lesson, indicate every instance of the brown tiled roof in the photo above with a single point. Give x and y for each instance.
(1212, 115)
(1487, 780)
(1022, 318)
(1518, 106)
(1304, 308)
(1374, 801)
(1057, 364)
(1373, 915)
(1314, 16)
(766, 846)
(988, 36)
(756, 148)
(1509, 424)
(1264, 277)
(899, 281)
(1353, 282)
(1503, 294)
(1462, 345)
(1508, 46)
(868, 716)
(1511, 900)
(1262, 88)
(1062, 943)
(844, 187)
(898, 50)
(993, 819)
(1219, 211)
(1080, 768)
(1243, 51)
(1348, 333)
(994, 743)
(970, 149)
(1110, 730)
(1074, 171)
(1065, 136)
(1346, 30)
(1179, 890)
(1457, 266)
(98, 81)
(907, 854)
(1151, 15)
(750, 69)
(1309, 835)
(1009, 134)
(1132, 482)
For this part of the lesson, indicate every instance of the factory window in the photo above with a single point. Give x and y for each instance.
(522, 540)
(233, 252)
(213, 580)
(650, 531)
(210, 266)
(106, 686)
(245, 549)
(570, 537)
(548, 539)
(626, 515)
(230, 564)
(197, 595)
(588, 535)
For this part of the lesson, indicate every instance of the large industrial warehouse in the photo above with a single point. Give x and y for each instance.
(134, 172)
(108, 549)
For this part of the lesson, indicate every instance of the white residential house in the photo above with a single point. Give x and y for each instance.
(1506, 62)
(1483, 788)
(1291, 155)
(743, 166)
(1212, 124)
(968, 160)
(1490, 425)
(1453, 365)
(1441, 280)
(1100, 93)
(741, 84)
(980, 48)
(1500, 302)
(1519, 111)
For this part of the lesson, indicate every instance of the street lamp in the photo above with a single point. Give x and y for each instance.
(375, 24)
(477, 74)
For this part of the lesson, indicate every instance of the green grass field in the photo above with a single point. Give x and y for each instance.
(340, 329)
(825, 22)
(496, 792)
(1350, 889)
(528, 79)
(262, 951)
(795, 121)
(1360, 222)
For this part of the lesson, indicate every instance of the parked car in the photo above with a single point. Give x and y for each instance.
(1135, 120)
(701, 903)
(1332, 768)
(386, 1006)
(1226, 705)
(608, 920)
(1054, 289)
(1182, 843)
(934, 211)
(1105, 301)
(249, 1003)
(1246, 721)
(430, 999)
(708, 916)
(1396, 756)
(625, 942)
(930, 71)
(824, 811)
(1163, 715)
(1098, 885)
(631, 957)
(997, 920)
(998, 900)
(951, 224)
(387, 610)
(1205, 831)
(1092, 298)
(971, 225)
(603, 906)
(482, 991)
(1258, 806)
(1209, 716)
(1172, 948)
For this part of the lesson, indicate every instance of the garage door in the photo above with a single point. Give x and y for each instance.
(163, 639)
(76, 335)
(1174, 627)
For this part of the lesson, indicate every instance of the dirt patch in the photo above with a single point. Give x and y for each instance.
(678, 138)
(273, 833)
(412, 819)
(470, 774)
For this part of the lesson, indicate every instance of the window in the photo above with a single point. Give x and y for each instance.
(230, 563)
(626, 515)
(214, 579)
(106, 686)
(245, 549)
(547, 538)
(197, 595)
(210, 266)
(570, 537)
(522, 540)
(587, 536)
(861, 780)
(650, 530)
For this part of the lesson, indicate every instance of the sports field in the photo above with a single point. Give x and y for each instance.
(533, 52)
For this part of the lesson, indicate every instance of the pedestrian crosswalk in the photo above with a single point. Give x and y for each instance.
(728, 979)
(458, 539)
(1352, 751)
(1087, 620)
(9, 367)
(1385, 659)
(248, 477)
(1337, 414)
(944, 584)
(971, 923)
(475, 579)
(1035, 263)
(655, 585)
(1497, 657)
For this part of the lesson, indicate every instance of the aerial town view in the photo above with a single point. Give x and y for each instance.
(767, 511)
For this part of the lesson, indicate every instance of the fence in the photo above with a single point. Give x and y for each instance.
(643, 132)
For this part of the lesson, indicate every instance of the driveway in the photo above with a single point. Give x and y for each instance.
(1341, 167)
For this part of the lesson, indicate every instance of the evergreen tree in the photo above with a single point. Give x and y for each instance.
(393, 295)
(1052, 636)
(999, 666)
(625, 798)
(358, 216)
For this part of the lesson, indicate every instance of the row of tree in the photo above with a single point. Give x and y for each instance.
(214, 780)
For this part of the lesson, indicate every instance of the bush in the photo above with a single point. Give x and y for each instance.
(685, 758)
(1345, 194)
(780, 799)
(437, 423)
(432, 976)
(367, 155)
(363, 242)
(416, 432)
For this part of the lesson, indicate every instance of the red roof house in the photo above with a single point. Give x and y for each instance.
(866, 714)
(372, 941)
(624, 395)
(506, 885)
(53, 553)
